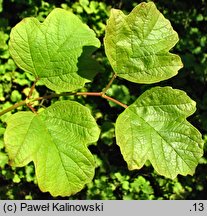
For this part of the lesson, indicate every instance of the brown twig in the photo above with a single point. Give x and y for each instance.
(109, 84)
(29, 101)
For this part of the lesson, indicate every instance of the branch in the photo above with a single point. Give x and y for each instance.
(32, 88)
(28, 101)
(114, 100)
(13, 107)
(109, 84)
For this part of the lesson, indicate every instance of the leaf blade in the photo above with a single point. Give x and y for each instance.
(56, 143)
(160, 133)
(137, 45)
(52, 48)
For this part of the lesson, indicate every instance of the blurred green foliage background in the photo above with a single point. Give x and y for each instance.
(112, 179)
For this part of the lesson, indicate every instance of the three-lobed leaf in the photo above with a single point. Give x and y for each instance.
(50, 50)
(155, 128)
(56, 141)
(137, 45)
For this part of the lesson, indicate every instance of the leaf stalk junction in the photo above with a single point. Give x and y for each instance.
(28, 101)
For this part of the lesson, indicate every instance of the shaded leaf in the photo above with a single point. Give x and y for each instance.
(56, 140)
(87, 63)
(50, 50)
(137, 45)
(155, 128)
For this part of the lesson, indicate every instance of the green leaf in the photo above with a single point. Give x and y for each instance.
(137, 45)
(3, 160)
(155, 128)
(50, 50)
(1, 6)
(4, 54)
(87, 63)
(56, 140)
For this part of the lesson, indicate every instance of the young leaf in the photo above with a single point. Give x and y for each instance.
(56, 140)
(155, 128)
(50, 50)
(137, 45)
